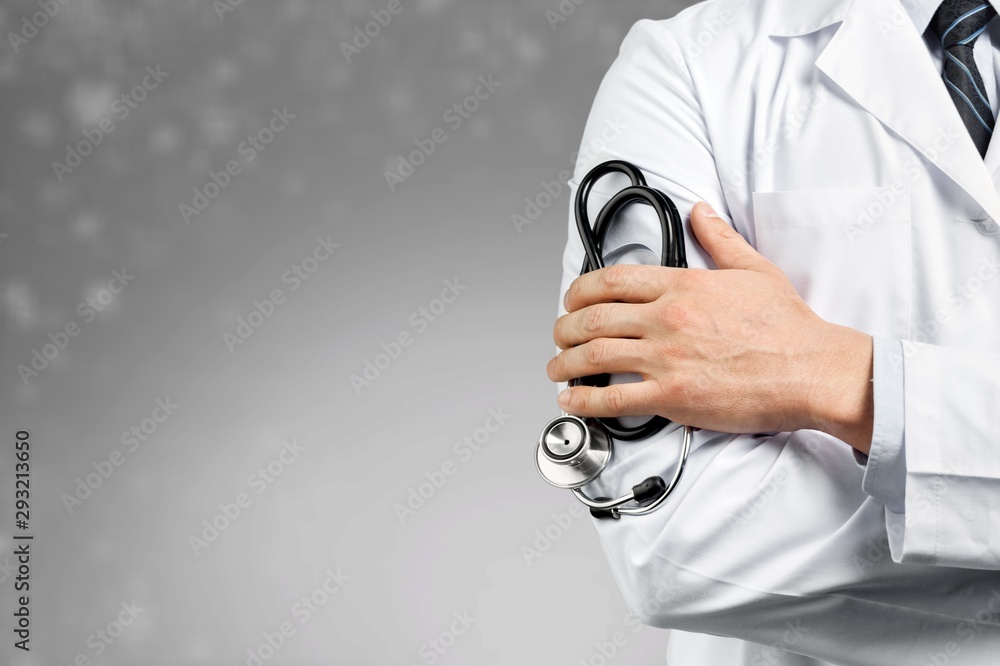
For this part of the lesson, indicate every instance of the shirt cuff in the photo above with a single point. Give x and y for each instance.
(885, 471)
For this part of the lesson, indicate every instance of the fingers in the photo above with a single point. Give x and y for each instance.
(603, 320)
(626, 283)
(603, 355)
(633, 399)
(724, 244)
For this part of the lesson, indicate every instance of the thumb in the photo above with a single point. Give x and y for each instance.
(723, 243)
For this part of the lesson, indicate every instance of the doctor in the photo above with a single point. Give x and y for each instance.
(842, 150)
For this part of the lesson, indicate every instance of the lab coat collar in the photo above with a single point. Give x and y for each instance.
(878, 58)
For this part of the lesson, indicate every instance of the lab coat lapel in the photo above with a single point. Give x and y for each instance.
(993, 157)
(878, 58)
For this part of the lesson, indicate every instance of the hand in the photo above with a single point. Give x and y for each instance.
(733, 350)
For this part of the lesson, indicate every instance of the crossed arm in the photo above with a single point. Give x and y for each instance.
(738, 350)
(732, 350)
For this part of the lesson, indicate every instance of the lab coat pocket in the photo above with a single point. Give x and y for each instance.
(847, 251)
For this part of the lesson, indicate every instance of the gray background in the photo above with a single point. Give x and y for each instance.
(162, 336)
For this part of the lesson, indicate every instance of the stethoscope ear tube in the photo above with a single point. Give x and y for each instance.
(572, 451)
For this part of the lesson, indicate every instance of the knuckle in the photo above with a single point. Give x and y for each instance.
(675, 315)
(616, 399)
(615, 278)
(597, 352)
(595, 319)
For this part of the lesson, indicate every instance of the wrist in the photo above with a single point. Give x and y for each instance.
(841, 402)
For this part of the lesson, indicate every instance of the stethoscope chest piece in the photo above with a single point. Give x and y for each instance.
(572, 451)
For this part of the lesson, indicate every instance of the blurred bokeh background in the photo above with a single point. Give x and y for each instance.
(292, 509)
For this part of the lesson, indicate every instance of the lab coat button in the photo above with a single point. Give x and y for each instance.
(984, 224)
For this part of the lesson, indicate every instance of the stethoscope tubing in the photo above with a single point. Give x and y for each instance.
(574, 470)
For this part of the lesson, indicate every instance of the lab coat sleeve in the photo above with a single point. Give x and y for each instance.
(763, 530)
(951, 513)
(885, 471)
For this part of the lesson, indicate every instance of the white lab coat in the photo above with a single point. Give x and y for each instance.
(823, 131)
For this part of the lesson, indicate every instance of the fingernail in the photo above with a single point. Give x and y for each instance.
(564, 398)
(708, 211)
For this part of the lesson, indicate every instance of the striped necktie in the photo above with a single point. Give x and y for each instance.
(958, 23)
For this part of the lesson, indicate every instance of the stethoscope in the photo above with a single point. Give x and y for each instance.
(572, 451)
